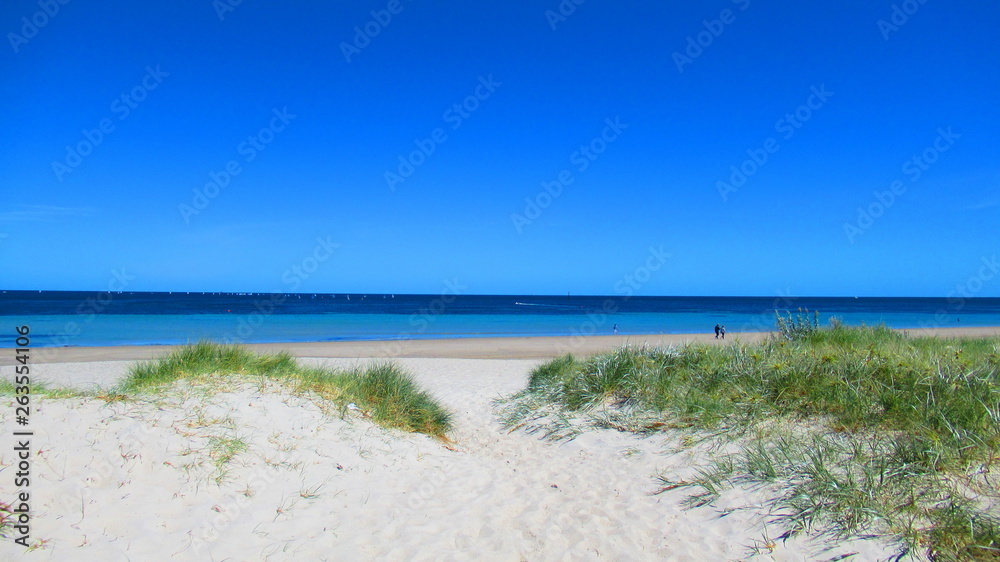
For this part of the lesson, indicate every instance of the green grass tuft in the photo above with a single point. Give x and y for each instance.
(205, 358)
(384, 390)
(799, 326)
(8, 388)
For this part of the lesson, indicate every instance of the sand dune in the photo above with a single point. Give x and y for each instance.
(145, 481)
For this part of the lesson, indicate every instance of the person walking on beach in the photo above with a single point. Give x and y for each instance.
(615, 328)
(717, 330)
(722, 332)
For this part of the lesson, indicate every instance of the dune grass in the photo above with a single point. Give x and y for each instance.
(901, 433)
(384, 391)
(8, 388)
(205, 358)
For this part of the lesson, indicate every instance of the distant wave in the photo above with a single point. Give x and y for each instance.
(549, 305)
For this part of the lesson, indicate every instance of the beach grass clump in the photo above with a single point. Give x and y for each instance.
(205, 358)
(799, 326)
(10, 388)
(891, 432)
(384, 391)
(943, 391)
(846, 485)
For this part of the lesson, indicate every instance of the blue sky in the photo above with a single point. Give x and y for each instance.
(342, 147)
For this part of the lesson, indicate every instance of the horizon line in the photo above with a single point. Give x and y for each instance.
(542, 295)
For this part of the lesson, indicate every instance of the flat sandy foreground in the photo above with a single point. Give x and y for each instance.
(156, 478)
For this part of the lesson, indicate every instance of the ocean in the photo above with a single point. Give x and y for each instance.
(69, 318)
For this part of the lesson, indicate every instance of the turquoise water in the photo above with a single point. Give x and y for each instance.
(91, 319)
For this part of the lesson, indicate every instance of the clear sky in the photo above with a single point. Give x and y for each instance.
(725, 147)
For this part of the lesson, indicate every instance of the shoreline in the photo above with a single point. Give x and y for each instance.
(519, 347)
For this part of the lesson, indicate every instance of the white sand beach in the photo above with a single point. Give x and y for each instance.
(153, 480)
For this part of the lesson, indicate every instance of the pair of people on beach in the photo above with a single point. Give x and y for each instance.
(720, 331)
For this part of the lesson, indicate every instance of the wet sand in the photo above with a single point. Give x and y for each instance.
(457, 348)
